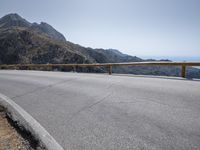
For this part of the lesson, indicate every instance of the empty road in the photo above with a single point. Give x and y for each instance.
(93, 111)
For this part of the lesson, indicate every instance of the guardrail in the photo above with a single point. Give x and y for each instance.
(109, 65)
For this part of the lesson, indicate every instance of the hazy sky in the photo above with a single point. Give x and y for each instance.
(136, 27)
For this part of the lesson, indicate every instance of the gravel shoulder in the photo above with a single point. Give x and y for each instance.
(10, 139)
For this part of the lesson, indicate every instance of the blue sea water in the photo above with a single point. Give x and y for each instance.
(173, 58)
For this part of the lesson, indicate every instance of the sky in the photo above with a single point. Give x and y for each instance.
(144, 28)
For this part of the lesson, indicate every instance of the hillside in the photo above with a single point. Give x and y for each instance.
(24, 42)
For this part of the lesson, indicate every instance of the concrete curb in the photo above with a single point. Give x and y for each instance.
(19, 115)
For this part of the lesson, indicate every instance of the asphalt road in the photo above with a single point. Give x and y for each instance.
(91, 111)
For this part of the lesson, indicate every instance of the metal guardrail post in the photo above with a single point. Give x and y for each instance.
(183, 71)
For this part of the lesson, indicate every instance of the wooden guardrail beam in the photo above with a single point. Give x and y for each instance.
(110, 65)
(159, 63)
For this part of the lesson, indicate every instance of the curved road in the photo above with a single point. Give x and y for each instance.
(91, 111)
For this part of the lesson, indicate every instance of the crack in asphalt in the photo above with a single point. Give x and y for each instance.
(92, 105)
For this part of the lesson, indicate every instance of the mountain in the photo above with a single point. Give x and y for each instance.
(14, 21)
(23, 42)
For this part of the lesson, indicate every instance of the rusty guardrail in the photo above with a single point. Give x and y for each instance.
(109, 65)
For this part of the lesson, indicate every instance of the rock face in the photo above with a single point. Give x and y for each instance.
(49, 30)
(25, 42)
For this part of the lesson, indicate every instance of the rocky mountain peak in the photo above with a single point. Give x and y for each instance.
(12, 20)
(15, 20)
(49, 30)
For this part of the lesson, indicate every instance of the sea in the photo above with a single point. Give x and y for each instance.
(174, 58)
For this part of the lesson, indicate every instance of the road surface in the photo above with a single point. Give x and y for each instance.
(93, 111)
